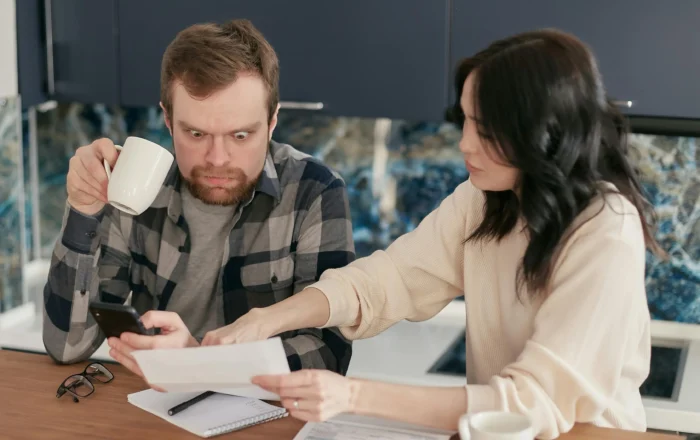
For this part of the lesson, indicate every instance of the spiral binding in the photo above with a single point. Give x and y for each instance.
(251, 421)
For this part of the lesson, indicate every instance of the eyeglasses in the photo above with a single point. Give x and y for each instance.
(81, 385)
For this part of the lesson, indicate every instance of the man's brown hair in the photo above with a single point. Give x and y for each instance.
(208, 57)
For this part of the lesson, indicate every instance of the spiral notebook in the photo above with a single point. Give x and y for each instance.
(217, 414)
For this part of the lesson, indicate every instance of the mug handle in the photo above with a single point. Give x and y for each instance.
(104, 161)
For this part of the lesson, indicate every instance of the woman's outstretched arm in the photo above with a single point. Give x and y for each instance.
(318, 395)
(415, 278)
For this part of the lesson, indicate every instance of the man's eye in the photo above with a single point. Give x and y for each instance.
(196, 134)
(241, 135)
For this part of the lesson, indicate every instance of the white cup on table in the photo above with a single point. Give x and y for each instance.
(138, 175)
(495, 425)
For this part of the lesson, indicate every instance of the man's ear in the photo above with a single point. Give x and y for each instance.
(166, 117)
(273, 122)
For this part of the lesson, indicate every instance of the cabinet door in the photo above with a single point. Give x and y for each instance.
(647, 49)
(373, 58)
(84, 59)
(31, 52)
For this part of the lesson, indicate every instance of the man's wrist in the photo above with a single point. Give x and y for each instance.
(80, 231)
(93, 210)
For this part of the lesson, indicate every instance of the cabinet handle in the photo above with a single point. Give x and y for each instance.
(48, 27)
(623, 103)
(296, 105)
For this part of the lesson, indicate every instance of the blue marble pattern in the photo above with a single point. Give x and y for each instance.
(669, 170)
(397, 172)
(11, 188)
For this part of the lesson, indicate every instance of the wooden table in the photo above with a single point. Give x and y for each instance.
(29, 409)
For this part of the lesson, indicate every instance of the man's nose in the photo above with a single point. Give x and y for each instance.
(217, 154)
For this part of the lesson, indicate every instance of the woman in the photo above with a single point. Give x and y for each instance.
(546, 240)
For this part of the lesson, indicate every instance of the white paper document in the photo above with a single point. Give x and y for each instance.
(347, 427)
(223, 368)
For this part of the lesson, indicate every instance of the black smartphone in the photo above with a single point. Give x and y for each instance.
(114, 319)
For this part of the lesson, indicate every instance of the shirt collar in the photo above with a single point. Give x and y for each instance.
(269, 182)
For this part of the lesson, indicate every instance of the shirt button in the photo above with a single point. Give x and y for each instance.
(274, 278)
(91, 234)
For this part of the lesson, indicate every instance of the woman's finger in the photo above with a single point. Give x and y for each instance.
(307, 393)
(210, 338)
(306, 416)
(302, 409)
(302, 415)
(299, 378)
(312, 406)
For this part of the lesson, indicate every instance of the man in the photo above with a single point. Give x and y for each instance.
(241, 221)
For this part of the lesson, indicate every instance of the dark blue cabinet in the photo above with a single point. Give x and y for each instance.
(371, 58)
(647, 49)
(367, 58)
(31, 52)
(83, 64)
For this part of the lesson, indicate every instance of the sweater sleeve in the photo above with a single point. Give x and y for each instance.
(415, 278)
(591, 335)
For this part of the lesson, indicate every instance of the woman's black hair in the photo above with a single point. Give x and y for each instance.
(542, 108)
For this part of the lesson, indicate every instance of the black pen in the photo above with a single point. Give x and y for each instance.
(184, 405)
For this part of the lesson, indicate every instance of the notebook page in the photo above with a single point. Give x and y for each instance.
(210, 413)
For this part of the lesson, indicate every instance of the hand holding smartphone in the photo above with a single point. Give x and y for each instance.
(115, 319)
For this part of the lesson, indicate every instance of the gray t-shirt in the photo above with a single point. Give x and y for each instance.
(198, 297)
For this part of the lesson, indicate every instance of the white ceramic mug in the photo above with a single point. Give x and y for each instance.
(138, 175)
(495, 425)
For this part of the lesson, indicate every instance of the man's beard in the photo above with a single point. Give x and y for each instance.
(219, 195)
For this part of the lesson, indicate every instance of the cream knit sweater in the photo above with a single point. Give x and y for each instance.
(580, 355)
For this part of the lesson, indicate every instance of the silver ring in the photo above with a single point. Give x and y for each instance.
(296, 404)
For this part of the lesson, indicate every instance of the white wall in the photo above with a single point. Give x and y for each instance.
(8, 49)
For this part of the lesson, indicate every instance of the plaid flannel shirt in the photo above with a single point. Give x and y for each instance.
(295, 226)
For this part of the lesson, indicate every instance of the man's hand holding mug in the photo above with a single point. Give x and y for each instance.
(128, 177)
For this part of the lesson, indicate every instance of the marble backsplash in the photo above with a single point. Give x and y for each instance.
(11, 196)
(397, 172)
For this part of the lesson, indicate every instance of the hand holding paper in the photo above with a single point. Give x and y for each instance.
(312, 395)
(224, 368)
(173, 334)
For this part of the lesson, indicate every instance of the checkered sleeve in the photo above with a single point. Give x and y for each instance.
(325, 242)
(90, 249)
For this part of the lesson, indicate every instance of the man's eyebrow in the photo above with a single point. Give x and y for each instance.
(249, 127)
(187, 126)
